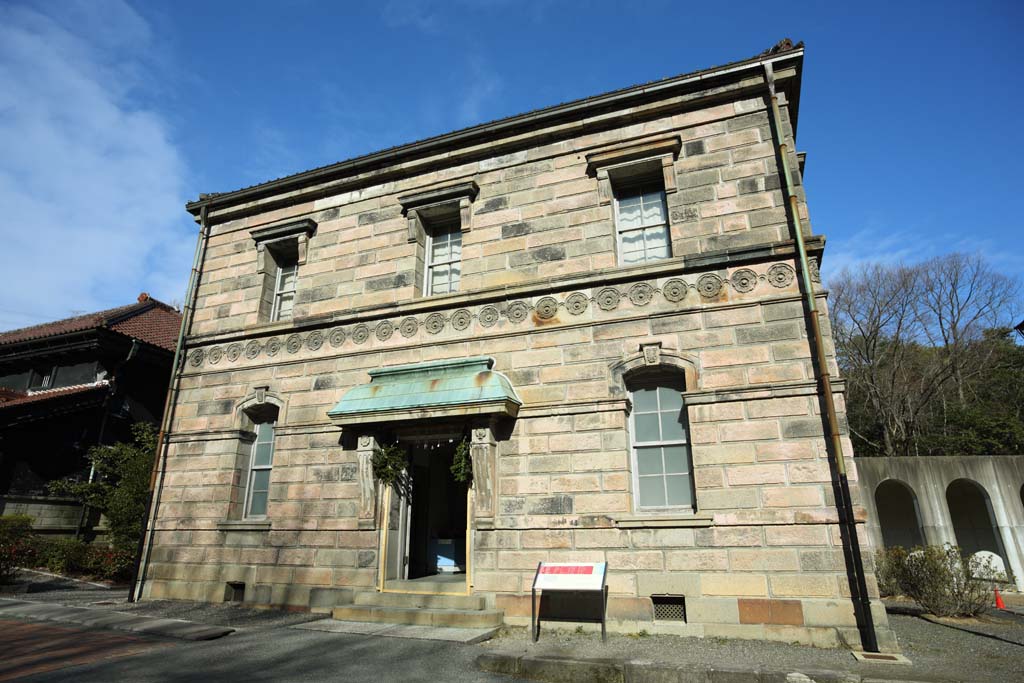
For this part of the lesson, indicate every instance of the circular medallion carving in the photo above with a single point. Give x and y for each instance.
(364, 441)
(360, 334)
(641, 294)
(196, 358)
(517, 311)
(273, 346)
(709, 285)
(252, 349)
(547, 308)
(384, 330)
(234, 352)
(434, 323)
(409, 327)
(293, 343)
(479, 434)
(781, 275)
(675, 290)
(577, 303)
(315, 340)
(488, 316)
(608, 298)
(461, 319)
(215, 354)
(744, 280)
(337, 337)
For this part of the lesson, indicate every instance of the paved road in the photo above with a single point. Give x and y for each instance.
(277, 654)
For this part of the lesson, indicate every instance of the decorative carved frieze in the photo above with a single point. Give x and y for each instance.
(707, 286)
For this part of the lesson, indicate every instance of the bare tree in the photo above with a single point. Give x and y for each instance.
(904, 333)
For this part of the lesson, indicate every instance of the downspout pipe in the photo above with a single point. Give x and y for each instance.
(840, 484)
(156, 479)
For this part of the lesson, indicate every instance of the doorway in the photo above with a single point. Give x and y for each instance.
(428, 520)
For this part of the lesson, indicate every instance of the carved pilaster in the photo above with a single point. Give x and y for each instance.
(604, 186)
(414, 225)
(482, 450)
(367, 486)
(465, 214)
(668, 173)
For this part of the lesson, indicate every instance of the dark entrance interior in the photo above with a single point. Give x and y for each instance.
(437, 530)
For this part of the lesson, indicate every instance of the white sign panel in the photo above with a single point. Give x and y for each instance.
(570, 576)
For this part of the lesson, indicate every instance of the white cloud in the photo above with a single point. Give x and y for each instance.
(91, 184)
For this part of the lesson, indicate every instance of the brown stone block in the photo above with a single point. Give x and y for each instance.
(546, 539)
(514, 605)
(631, 609)
(638, 559)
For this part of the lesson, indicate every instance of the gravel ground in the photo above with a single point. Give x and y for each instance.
(938, 653)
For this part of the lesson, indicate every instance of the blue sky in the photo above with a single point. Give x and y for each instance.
(113, 114)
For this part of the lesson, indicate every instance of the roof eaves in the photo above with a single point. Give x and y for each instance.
(285, 183)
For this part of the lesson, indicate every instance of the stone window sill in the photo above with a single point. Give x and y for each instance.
(664, 521)
(244, 525)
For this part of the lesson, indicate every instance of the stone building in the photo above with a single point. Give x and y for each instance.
(601, 299)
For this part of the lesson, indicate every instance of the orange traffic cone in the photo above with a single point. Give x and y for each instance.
(999, 600)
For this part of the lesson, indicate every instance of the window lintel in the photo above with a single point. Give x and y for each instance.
(304, 227)
(648, 149)
(439, 196)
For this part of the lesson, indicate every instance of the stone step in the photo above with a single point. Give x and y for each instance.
(458, 618)
(462, 602)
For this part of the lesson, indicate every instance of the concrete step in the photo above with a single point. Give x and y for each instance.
(432, 584)
(463, 602)
(458, 618)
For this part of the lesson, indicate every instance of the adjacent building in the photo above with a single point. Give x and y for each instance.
(599, 302)
(72, 384)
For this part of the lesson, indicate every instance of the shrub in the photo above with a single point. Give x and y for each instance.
(462, 463)
(941, 582)
(390, 465)
(60, 554)
(15, 543)
(890, 570)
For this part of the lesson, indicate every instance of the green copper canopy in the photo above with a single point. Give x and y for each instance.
(446, 388)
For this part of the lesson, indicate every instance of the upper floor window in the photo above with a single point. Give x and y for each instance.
(284, 291)
(444, 259)
(280, 251)
(662, 464)
(641, 219)
(257, 488)
(436, 220)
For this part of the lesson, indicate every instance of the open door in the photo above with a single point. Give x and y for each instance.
(396, 567)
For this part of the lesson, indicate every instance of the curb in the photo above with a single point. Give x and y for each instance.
(555, 669)
(118, 621)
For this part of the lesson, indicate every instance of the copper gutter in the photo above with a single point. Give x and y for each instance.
(156, 479)
(840, 484)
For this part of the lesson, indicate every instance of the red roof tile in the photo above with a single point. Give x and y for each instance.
(149, 320)
(36, 397)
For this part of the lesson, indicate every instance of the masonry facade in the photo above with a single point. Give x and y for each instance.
(624, 268)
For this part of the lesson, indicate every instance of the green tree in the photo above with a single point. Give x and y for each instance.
(120, 485)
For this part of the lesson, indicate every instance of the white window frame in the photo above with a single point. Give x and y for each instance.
(253, 468)
(448, 228)
(635, 445)
(279, 291)
(633, 189)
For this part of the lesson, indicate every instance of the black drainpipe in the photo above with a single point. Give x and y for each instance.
(840, 484)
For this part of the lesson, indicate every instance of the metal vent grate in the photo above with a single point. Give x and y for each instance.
(669, 607)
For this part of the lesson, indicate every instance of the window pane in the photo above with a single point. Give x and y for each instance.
(654, 209)
(454, 275)
(679, 491)
(629, 213)
(285, 304)
(645, 401)
(669, 398)
(439, 250)
(265, 431)
(677, 460)
(671, 429)
(258, 504)
(439, 280)
(648, 461)
(262, 454)
(80, 373)
(260, 480)
(652, 491)
(647, 427)
(456, 245)
(656, 238)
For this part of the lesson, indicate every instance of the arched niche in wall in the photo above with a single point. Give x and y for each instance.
(970, 509)
(898, 514)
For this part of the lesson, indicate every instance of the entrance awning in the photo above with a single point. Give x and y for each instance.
(448, 388)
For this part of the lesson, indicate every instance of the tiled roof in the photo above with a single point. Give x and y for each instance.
(784, 45)
(20, 399)
(148, 320)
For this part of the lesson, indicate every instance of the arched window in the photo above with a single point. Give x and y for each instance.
(259, 417)
(661, 460)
